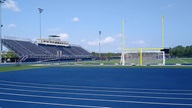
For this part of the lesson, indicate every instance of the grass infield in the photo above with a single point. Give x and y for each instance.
(99, 63)
(14, 68)
(27, 67)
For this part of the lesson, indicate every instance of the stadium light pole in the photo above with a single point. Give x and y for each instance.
(1, 1)
(40, 11)
(99, 45)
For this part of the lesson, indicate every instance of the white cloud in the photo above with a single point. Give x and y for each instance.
(11, 26)
(12, 5)
(75, 19)
(63, 36)
(107, 40)
(103, 41)
(93, 43)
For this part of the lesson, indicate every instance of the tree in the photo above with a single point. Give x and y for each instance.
(95, 54)
(180, 51)
(9, 55)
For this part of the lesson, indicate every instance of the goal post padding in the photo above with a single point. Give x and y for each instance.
(140, 58)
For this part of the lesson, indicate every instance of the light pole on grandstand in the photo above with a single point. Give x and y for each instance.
(1, 1)
(40, 11)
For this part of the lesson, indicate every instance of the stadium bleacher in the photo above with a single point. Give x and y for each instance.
(28, 51)
(80, 49)
(15, 47)
(31, 47)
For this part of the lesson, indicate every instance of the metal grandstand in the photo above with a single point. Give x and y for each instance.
(45, 50)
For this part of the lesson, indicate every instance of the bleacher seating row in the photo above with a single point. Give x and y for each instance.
(39, 52)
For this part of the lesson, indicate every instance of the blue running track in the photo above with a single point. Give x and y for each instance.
(97, 88)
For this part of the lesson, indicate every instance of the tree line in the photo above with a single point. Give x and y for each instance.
(181, 51)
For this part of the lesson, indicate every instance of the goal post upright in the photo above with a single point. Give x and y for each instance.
(123, 41)
(163, 35)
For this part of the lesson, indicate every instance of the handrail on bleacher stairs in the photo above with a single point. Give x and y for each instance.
(22, 58)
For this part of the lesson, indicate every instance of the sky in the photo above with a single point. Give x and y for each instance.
(79, 22)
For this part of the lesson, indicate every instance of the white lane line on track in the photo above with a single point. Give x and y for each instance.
(53, 104)
(88, 90)
(100, 100)
(115, 88)
(94, 94)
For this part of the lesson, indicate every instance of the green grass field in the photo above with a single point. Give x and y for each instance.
(168, 61)
(179, 61)
(14, 68)
(97, 63)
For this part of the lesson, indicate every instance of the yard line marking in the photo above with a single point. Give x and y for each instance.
(182, 60)
(93, 94)
(88, 90)
(101, 100)
(55, 85)
(53, 104)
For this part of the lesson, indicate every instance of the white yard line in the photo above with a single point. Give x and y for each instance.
(91, 90)
(86, 99)
(90, 87)
(182, 60)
